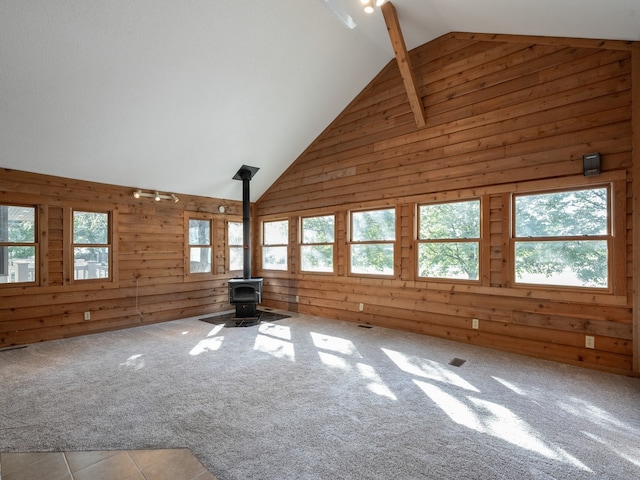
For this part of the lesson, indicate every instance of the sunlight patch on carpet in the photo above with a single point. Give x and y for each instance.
(422, 367)
(376, 384)
(275, 347)
(497, 420)
(335, 344)
(207, 345)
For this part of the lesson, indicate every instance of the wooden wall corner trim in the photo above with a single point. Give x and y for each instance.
(635, 120)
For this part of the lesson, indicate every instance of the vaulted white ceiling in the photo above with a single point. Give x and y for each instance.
(176, 95)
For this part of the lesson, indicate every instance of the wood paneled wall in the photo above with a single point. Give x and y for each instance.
(504, 114)
(150, 284)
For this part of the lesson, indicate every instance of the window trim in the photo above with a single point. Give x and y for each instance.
(37, 257)
(111, 245)
(393, 243)
(332, 244)
(614, 237)
(229, 246)
(188, 274)
(479, 241)
(263, 244)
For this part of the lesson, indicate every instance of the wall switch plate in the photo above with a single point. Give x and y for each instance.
(589, 341)
(475, 323)
(87, 315)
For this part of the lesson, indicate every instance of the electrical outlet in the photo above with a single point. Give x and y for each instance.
(87, 315)
(361, 307)
(297, 298)
(589, 341)
(475, 323)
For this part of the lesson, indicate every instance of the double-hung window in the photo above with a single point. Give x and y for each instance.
(372, 241)
(200, 245)
(235, 233)
(317, 241)
(18, 244)
(563, 238)
(91, 245)
(275, 243)
(449, 240)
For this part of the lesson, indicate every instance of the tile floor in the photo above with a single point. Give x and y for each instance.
(174, 464)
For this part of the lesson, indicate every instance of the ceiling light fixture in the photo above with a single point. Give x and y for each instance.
(368, 4)
(157, 196)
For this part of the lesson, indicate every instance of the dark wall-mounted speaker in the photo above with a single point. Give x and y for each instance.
(591, 164)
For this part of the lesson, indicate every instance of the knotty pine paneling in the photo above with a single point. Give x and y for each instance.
(150, 285)
(502, 112)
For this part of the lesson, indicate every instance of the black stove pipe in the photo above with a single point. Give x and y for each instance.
(246, 175)
(246, 293)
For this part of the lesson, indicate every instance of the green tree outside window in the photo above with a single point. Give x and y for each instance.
(449, 240)
(318, 236)
(562, 238)
(373, 235)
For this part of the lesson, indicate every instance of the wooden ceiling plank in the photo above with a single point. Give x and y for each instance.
(404, 62)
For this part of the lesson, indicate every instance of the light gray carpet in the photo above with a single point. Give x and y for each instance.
(310, 398)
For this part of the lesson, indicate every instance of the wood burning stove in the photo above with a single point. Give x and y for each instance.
(246, 292)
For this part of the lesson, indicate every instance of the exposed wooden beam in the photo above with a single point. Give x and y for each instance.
(635, 182)
(404, 62)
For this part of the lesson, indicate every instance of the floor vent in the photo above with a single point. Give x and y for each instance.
(457, 362)
(365, 326)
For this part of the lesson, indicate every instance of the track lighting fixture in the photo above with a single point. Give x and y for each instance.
(157, 196)
(368, 4)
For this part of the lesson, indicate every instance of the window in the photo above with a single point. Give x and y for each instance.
(18, 244)
(449, 240)
(200, 246)
(317, 239)
(563, 238)
(91, 245)
(235, 234)
(373, 235)
(275, 241)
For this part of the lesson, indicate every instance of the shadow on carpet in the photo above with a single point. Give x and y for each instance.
(230, 318)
